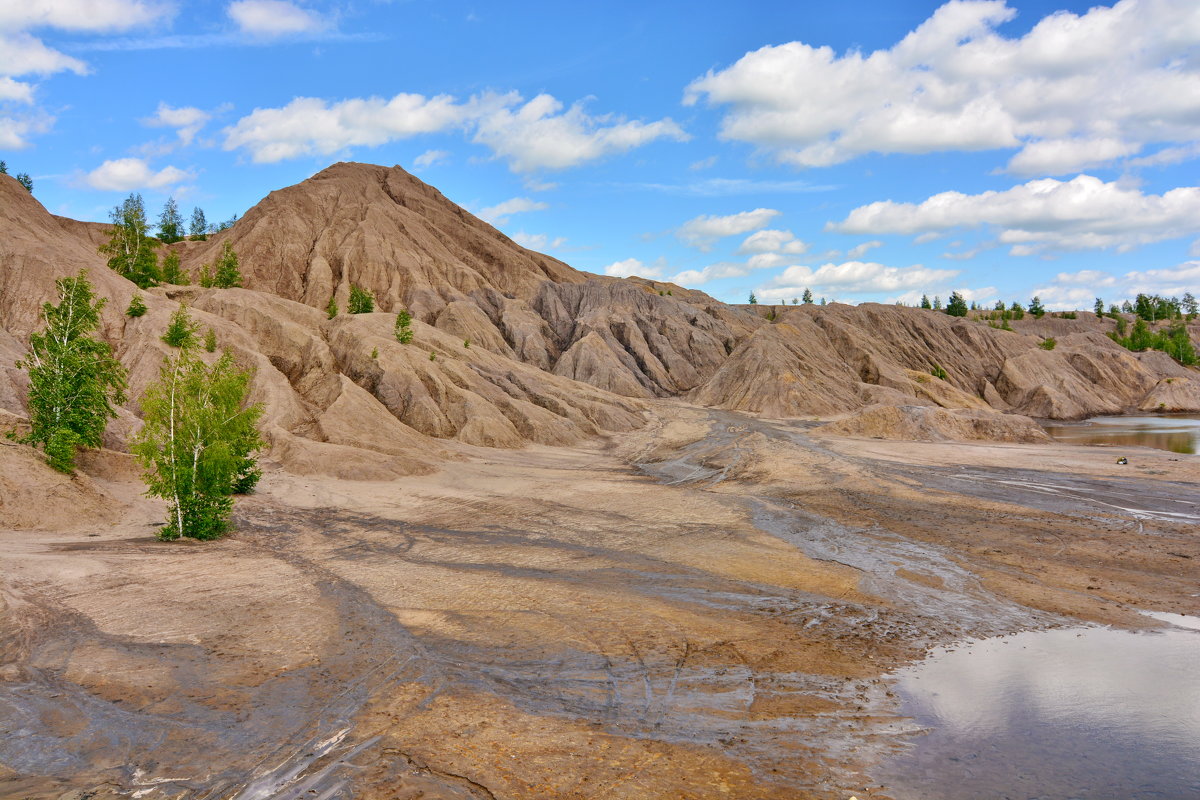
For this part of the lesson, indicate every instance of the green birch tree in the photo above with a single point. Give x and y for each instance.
(198, 442)
(170, 223)
(75, 383)
(130, 251)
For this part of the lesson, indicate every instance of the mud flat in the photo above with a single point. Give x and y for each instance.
(711, 606)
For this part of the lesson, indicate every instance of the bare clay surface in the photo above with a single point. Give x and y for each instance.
(702, 608)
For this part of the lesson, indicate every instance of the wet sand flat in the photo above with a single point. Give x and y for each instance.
(703, 608)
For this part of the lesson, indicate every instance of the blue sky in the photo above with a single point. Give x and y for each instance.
(872, 151)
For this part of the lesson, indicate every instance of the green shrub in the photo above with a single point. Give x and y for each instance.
(361, 301)
(1048, 343)
(181, 330)
(137, 306)
(403, 327)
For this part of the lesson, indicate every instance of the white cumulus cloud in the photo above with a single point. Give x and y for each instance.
(131, 174)
(311, 126)
(273, 18)
(854, 277)
(1080, 214)
(540, 135)
(1076, 90)
(80, 15)
(538, 241)
(860, 250)
(1078, 290)
(772, 241)
(704, 230)
(429, 158)
(631, 267)
(499, 213)
(23, 54)
(187, 121)
(530, 136)
(721, 269)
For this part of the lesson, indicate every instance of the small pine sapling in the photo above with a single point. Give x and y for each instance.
(137, 307)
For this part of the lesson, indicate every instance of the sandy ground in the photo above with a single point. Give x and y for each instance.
(705, 608)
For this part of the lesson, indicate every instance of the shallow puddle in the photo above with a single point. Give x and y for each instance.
(1083, 713)
(1178, 433)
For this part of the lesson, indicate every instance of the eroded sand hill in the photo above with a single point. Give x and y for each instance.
(606, 550)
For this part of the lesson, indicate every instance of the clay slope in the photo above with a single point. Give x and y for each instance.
(513, 347)
(387, 231)
(837, 358)
(331, 407)
(381, 229)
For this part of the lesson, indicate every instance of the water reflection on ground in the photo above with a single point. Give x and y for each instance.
(1053, 715)
(1179, 433)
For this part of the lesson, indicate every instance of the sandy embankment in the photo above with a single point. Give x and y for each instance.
(703, 608)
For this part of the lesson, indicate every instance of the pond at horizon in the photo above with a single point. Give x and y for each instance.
(1177, 433)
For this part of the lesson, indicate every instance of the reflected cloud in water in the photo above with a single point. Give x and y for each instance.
(1076, 713)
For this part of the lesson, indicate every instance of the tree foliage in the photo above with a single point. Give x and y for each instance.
(21, 177)
(172, 272)
(199, 227)
(957, 306)
(404, 332)
(130, 250)
(331, 309)
(137, 306)
(361, 301)
(75, 384)
(170, 223)
(181, 330)
(807, 297)
(1174, 340)
(198, 442)
(226, 272)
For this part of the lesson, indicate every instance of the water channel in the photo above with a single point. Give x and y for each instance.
(1068, 714)
(1179, 433)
